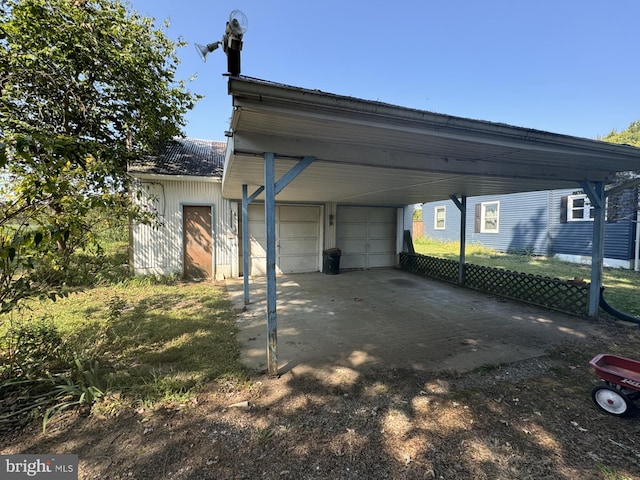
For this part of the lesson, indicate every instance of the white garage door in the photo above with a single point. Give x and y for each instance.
(297, 239)
(367, 236)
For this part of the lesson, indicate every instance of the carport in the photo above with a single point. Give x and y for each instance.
(309, 146)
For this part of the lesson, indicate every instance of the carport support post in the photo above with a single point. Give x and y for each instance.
(462, 206)
(270, 224)
(246, 201)
(595, 192)
(245, 243)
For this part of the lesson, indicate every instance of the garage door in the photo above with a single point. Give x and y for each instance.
(367, 236)
(297, 239)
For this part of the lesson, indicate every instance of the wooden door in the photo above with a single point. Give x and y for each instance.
(198, 243)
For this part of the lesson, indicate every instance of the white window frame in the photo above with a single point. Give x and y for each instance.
(586, 209)
(442, 208)
(483, 217)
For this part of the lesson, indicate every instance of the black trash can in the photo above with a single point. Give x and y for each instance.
(331, 261)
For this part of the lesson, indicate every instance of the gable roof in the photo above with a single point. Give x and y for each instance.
(184, 157)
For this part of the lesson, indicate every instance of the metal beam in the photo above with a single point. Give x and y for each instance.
(596, 194)
(245, 243)
(462, 206)
(592, 189)
(246, 201)
(293, 173)
(271, 189)
(270, 224)
(258, 191)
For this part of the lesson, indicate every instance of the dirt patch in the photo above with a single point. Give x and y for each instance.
(531, 419)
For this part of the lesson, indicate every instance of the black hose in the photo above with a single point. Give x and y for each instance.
(616, 313)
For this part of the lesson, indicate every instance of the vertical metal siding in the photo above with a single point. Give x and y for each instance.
(159, 250)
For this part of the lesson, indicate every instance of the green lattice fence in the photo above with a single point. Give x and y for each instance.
(534, 289)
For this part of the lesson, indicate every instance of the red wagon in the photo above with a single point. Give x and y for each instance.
(621, 383)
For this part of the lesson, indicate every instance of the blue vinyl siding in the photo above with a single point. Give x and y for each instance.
(576, 238)
(522, 222)
(452, 221)
(531, 221)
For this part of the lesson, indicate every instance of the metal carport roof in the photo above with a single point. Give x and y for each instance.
(374, 153)
(310, 146)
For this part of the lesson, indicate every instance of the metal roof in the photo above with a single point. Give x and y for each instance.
(370, 152)
(184, 157)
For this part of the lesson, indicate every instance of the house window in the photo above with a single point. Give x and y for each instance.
(439, 218)
(489, 217)
(579, 208)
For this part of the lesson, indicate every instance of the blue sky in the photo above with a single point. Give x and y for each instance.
(564, 66)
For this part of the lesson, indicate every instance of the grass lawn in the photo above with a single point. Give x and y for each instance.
(622, 287)
(152, 342)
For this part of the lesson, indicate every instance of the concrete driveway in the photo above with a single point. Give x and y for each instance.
(395, 318)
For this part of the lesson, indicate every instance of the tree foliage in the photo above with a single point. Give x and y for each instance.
(623, 205)
(86, 86)
(629, 136)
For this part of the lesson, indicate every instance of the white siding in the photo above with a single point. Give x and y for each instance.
(158, 249)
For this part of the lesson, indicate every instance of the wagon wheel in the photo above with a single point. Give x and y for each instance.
(611, 400)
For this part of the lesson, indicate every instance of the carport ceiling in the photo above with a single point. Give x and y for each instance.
(372, 153)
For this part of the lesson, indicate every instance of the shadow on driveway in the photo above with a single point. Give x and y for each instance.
(394, 318)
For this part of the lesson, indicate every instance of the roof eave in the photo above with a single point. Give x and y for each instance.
(183, 178)
(267, 92)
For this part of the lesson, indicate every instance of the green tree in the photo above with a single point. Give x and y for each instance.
(619, 205)
(629, 136)
(86, 86)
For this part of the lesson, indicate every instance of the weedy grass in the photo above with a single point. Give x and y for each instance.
(153, 340)
(142, 339)
(149, 343)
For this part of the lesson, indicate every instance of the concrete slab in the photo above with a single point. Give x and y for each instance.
(391, 317)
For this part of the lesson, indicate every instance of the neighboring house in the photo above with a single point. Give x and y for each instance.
(551, 223)
(196, 230)
(198, 233)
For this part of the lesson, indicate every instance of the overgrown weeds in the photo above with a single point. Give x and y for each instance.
(128, 343)
(42, 375)
(135, 339)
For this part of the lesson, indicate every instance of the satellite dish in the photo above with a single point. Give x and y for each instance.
(238, 22)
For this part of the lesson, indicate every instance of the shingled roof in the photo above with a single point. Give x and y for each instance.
(185, 156)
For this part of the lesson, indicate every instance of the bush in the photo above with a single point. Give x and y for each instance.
(41, 374)
(32, 349)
